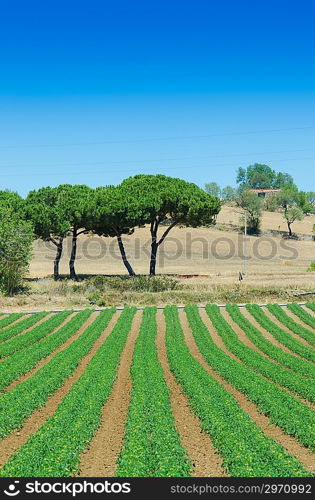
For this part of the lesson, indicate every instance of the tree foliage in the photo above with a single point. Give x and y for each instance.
(16, 238)
(253, 206)
(260, 176)
(158, 199)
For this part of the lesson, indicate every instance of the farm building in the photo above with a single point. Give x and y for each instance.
(264, 193)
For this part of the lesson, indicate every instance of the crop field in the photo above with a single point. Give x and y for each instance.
(209, 391)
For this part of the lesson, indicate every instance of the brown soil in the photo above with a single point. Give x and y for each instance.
(305, 456)
(266, 334)
(247, 342)
(298, 320)
(309, 311)
(16, 439)
(205, 459)
(100, 458)
(285, 328)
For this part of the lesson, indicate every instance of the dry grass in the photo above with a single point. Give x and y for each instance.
(276, 268)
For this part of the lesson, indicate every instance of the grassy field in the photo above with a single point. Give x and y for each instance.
(190, 392)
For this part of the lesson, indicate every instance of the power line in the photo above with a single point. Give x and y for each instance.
(54, 165)
(132, 170)
(152, 139)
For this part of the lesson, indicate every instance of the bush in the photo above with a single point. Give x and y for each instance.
(130, 284)
(16, 237)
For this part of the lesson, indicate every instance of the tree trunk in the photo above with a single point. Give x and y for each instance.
(57, 260)
(289, 228)
(124, 256)
(154, 247)
(73, 275)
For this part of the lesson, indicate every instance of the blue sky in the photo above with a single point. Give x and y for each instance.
(94, 91)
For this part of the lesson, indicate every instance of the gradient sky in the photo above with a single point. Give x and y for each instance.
(94, 91)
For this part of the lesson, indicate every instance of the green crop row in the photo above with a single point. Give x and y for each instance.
(311, 305)
(22, 325)
(7, 320)
(279, 313)
(16, 405)
(22, 361)
(284, 410)
(258, 363)
(289, 360)
(302, 314)
(34, 335)
(246, 450)
(151, 445)
(55, 449)
(282, 336)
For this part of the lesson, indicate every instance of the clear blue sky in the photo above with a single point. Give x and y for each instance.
(94, 91)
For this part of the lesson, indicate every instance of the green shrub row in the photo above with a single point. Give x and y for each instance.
(289, 360)
(279, 313)
(22, 361)
(246, 450)
(22, 325)
(282, 336)
(284, 410)
(16, 405)
(7, 320)
(302, 314)
(34, 335)
(258, 363)
(311, 305)
(55, 449)
(151, 445)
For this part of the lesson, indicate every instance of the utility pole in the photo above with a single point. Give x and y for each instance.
(245, 244)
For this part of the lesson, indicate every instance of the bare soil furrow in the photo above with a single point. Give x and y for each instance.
(266, 334)
(205, 459)
(16, 439)
(100, 458)
(293, 447)
(60, 348)
(298, 320)
(30, 328)
(285, 328)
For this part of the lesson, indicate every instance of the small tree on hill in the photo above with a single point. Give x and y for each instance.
(159, 199)
(213, 188)
(253, 206)
(289, 201)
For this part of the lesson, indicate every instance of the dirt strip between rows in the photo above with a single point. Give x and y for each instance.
(206, 460)
(242, 337)
(298, 320)
(267, 334)
(100, 458)
(304, 455)
(15, 322)
(42, 320)
(18, 438)
(286, 329)
(45, 360)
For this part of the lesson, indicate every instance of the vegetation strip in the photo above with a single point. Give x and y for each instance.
(23, 361)
(281, 316)
(32, 336)
(311, 306)
(17, 404)
(100, 458)
(54, 450)
(205, 459)
(246, 451)
(302, 314)
(258, 363)
(296, 364)
(282, 336)
(284, 410)
(7, 320)
(22, 325)
(151, 446)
